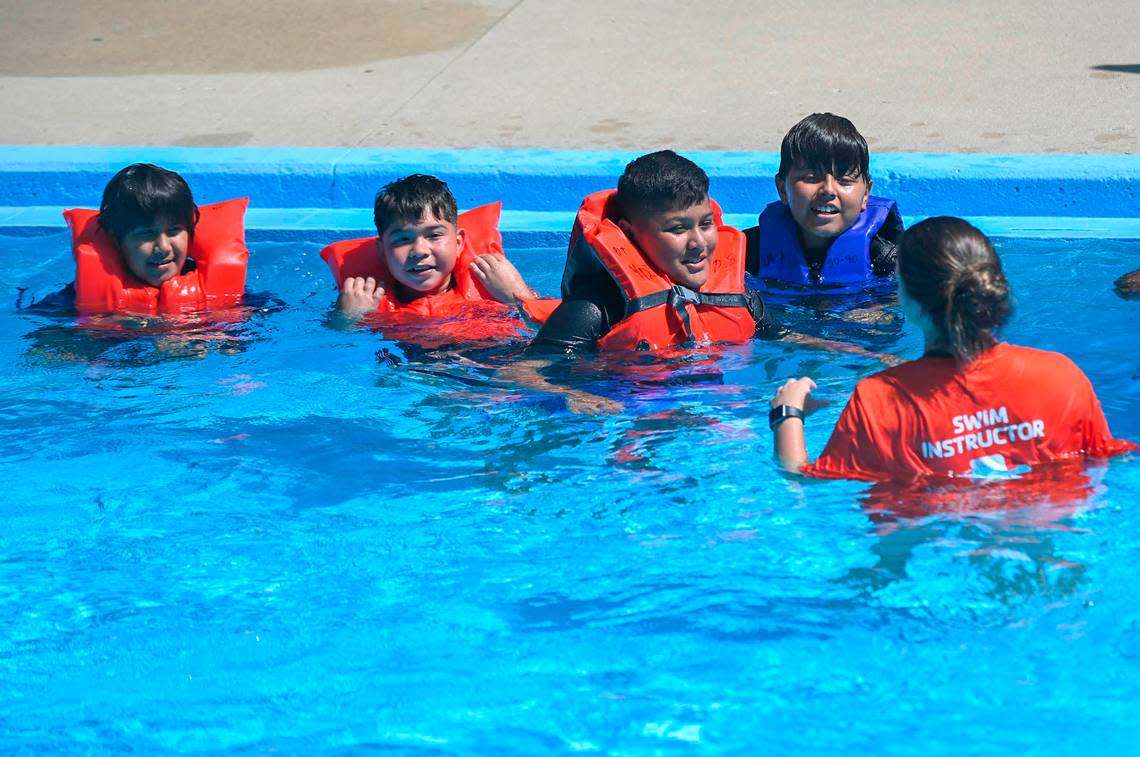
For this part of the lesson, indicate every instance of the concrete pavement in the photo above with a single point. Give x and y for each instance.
(970, 76)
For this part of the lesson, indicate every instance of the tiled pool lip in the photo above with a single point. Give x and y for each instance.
(327, 192)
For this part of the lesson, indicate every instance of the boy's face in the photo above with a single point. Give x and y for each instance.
(421, 256)
(823, 205)
(156, 253)
(679, 243)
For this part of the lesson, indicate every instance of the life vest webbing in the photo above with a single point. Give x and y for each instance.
(678, 297)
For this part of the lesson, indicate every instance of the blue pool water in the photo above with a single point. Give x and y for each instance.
(260, 537)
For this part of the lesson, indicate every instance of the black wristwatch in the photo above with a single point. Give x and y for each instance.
(781, 413)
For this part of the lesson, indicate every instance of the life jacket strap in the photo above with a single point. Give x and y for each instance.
(678, 297)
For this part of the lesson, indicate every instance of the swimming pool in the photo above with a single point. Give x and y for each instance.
(289, 544)
(268, 537)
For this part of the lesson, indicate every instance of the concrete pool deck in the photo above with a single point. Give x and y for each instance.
(537, 102)
(967, 77)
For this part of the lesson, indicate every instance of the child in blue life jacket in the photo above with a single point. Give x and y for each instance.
(826, 229)
(150, 250)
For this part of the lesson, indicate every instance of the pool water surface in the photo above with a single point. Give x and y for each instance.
(266, 535)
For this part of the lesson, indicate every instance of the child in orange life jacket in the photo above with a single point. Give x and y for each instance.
(150, 213)
(426, 264)
(826, 228)
(150, 249)
(649, 268)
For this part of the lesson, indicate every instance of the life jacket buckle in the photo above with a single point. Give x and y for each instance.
(682, 296)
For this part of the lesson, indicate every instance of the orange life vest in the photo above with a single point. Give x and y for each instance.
(659, 313)
(104, 285)
(464, 313)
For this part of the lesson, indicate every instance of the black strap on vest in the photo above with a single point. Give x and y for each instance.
(678, 297)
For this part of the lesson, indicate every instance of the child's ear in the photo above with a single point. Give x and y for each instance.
(867, 196)
(460, 240)
(781, 191)
(626, 228)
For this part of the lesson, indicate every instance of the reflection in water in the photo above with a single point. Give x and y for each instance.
(132, 340)
(1003, 528)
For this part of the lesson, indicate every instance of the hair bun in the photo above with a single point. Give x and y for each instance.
(980, 295)
(953, 272)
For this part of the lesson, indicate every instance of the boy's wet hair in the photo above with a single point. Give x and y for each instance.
(826, 143)
(660, 182)
(404, 201)
(1128, 286)
(141, 195)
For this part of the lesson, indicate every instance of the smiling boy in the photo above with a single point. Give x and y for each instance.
(650, 267)
(150, 249)
(424, 261)
(826, 228)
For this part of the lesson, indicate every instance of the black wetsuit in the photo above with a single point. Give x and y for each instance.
(597, 306)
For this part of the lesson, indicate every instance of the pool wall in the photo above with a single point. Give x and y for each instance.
(326, 193)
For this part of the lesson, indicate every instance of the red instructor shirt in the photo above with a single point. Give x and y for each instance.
(1012, 406)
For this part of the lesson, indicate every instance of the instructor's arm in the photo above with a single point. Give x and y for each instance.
(791, 452)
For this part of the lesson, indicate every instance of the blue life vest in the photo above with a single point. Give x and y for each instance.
(848, 259)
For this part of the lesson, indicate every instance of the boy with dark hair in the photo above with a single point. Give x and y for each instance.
(1128, 286)
(142, 193)
(150, 249)
(650, 266)
(427, 259)
(826, 228)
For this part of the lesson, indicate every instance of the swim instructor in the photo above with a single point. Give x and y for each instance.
(971, 405)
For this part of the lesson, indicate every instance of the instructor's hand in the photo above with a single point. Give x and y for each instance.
(796, 393)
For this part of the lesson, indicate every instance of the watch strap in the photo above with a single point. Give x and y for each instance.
(781, 413)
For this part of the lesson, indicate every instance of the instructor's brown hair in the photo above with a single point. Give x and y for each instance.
(951, 270)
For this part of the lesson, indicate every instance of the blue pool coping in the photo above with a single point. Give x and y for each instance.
(326, 193)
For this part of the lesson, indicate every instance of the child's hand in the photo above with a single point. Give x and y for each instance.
(500, 278)
(359, 296)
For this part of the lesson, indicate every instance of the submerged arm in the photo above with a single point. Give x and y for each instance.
(831, 345)
(574, 327)
(528, 373)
